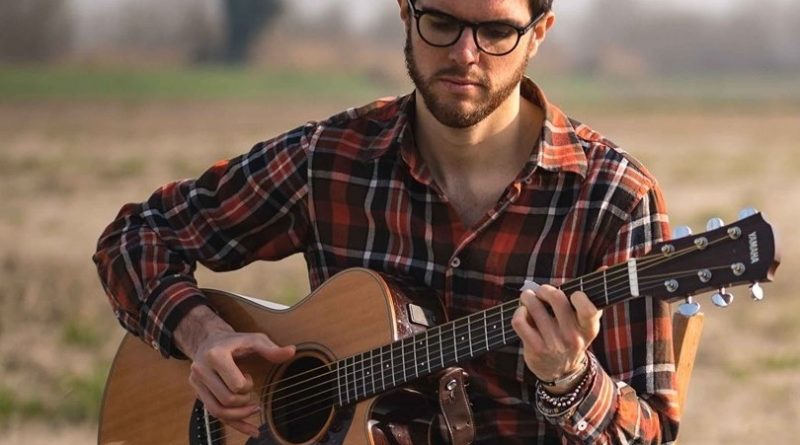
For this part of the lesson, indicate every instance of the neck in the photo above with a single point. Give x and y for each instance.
(503, 140)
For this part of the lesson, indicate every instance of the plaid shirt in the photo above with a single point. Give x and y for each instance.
(352, 191)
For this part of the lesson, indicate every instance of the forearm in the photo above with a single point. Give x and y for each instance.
(613, 413)
(195, 328)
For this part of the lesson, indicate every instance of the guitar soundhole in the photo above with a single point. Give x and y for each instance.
(302, 400)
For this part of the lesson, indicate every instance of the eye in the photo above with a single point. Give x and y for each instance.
(497, 31)
(442, 23)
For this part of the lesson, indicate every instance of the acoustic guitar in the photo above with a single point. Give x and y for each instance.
(363, 337)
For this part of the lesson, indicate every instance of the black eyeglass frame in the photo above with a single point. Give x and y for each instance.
(521, 31)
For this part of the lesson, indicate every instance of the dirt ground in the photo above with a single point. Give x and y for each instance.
(66, 168)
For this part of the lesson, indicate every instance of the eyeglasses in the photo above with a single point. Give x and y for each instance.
(442, 30)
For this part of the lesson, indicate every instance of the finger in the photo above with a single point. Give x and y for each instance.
(226, 414)
(224, 395)
(522, 324)
(541, 318)
(587, 314)
(220, 359)
(244, 427)
(264, 346)
(558, 302)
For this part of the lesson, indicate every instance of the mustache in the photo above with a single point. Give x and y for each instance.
(454, 71)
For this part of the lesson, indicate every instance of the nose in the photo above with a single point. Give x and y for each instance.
(465, 51)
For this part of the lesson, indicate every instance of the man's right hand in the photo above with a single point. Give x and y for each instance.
(213, 346)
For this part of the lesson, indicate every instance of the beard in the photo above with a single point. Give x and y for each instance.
(448, 114)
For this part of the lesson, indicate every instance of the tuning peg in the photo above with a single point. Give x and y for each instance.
(749, 211)
(681, 232)
(690, 308)
(722, 298)
(756, 292)
(714, 223)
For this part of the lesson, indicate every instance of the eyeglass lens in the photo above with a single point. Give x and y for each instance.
(443, 30)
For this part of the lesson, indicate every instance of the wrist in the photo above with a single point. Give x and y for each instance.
(568, 381)
(200, 323)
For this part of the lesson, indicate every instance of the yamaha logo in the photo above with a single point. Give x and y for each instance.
(753, 240)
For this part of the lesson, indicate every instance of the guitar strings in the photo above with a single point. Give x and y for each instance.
(496, 339)
(361, 381)
(590, 279)
(588, 284)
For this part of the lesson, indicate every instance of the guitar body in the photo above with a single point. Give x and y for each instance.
(148, 399)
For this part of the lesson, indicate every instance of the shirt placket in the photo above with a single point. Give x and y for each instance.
(454, 262)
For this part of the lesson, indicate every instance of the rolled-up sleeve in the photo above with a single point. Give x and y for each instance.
(248, 208)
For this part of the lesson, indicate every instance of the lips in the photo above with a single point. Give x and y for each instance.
(460, 85)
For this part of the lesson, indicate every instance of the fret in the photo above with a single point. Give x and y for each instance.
(605, 285)
(428, 351)
(380, 364)
(348, 377)
(391, 360)
(486, 330)
(416, 361)
(339, 383)
(403, 359)
(372, 371)
(455, 345)
(503, 323)
(441, 346)
(581, 283)
(469, 334)
(363, 375)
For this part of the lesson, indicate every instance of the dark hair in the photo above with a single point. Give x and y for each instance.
(540, 6)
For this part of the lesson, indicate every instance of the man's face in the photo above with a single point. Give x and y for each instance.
(461, 85)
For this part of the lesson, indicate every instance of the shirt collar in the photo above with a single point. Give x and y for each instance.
(559, 148)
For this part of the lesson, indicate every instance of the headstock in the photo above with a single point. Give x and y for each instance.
(743, 252)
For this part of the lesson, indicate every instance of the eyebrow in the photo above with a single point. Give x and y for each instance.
(503, 21)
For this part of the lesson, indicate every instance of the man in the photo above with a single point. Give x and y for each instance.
(470, 185)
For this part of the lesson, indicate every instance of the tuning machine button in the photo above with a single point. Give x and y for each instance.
(756, 292)
(746, 212)
(681, 232)
(690, 308)
(722, 298)
(714, 223)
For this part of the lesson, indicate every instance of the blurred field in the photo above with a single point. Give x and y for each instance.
(75, 150)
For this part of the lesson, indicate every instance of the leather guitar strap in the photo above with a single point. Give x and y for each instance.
(454, 405)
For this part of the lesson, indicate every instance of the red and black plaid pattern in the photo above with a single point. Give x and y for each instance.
(352, 191)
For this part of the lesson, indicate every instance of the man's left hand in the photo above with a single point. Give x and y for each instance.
(555, 334)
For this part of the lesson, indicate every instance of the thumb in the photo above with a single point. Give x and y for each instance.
(262, 345)
(273, 352)
(277, 354)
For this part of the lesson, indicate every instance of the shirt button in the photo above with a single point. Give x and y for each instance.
(582, 425)
(117, 314)
(455, 262)
(528, 181)
(154, 344)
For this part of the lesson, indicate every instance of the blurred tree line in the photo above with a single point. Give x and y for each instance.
(43, 30)
(623, 37)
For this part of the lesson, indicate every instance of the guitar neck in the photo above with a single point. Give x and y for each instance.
(375, 371)
(739, 253)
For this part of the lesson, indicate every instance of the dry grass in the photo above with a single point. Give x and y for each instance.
(66, 168)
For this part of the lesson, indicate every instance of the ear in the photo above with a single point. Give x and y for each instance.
(539, 32)
(404, 12)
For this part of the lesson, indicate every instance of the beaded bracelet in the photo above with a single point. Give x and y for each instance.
(553, 406)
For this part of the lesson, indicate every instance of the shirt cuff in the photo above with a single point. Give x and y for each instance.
(165, 307)
(594, 412)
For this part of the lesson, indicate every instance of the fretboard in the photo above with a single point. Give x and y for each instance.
(373, 372)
